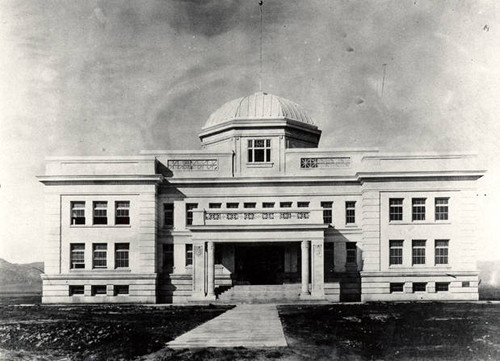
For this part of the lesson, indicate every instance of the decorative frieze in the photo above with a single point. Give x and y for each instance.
(325, 162)
(193, 164)
(234, 216)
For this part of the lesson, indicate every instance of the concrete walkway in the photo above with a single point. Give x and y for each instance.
(246, 325)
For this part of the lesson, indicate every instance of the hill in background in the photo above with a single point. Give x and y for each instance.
(20, 278)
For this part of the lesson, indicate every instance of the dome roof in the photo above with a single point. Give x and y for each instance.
(258, 106)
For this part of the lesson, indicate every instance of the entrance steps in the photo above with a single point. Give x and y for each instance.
(261, 294)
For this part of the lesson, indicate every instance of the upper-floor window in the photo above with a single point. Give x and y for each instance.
(77, 256)
(268, 205)
(232, 205)
(189, 212)
(441, 206)
(122, 213)
(259, 150)
(350, 212)
(418, 251)
(441, 251)
(395, 209)
(395, 252)
(285, 204)
(327, 212)
(189, 254)
(351, 252)
(121, 255)
(77, 212)
(101, 212)
(249, 205)
(99, 256)
(302, 204)
(418, 209)
(214, 205)
(168, 213)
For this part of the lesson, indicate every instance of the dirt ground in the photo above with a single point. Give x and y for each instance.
(372, 331)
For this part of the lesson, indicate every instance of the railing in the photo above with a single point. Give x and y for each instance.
(253, 216)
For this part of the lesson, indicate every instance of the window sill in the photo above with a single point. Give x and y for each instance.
(351, 225)
(100, 226)
(428, 223)
(260, 165)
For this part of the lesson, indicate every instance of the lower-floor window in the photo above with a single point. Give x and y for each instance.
(441, 251)
(396, 287)
(328, 259)
(168, 257)
(442, 286)
(419, 286)
(76, 290)
(121, 255)
(77, 255)
(100, 252)
(120, 290)
(418, 251)
(351, 253)
(99, 290)
(189, 254)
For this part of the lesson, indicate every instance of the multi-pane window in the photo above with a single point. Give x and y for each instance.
(441, 251)
(259, 150)
(168, 257)
(418, 251)
(119, 290)
(327, 212)
(101, 212)
(249, 205)
(396, 287)
(122, 212)
(302, 204)
(441, 208)
(189, 254)
(76, 290)
(268, 205)
(351, 252)
(395, 209)
(121, 255)
(395, 252)
(99, 255)
(285, 204)
(77, 256)
(214, 205)
(232, 205)
(419, 286)
(189, 212)
(168, 213)
(77, 212)
(418, 209)
(98, 290)
(350, 212)
(442, 286)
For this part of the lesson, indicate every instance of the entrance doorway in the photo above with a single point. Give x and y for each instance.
(259, 264)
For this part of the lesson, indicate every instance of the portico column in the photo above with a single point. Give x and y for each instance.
(199, 271)
(210, 270)
(317, 269)
(305, 268)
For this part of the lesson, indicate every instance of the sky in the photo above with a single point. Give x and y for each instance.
(117, 77)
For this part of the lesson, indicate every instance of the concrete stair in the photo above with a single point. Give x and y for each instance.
(261, 294)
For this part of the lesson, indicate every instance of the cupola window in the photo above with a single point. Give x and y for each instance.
(259, 150)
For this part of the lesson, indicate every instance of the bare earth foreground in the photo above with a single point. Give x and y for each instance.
(374, 331)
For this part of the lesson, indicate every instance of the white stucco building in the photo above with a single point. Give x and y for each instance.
(261, 212)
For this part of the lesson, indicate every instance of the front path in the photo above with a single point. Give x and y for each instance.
(246, 325)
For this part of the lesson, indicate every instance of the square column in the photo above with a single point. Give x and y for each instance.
(317, 269)
(199, 271)
(210, 270)
(305, 268)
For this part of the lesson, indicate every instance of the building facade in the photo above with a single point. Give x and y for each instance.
(261, 205)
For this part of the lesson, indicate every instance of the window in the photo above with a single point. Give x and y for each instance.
(214, 205)
(396, 287)
(419, 287)
(327, 212)
(418, 209)
(249, 205)
(350, 212)
(395, 209)
(122, 213)
(442, 286)
(168, 257)
(328, 259)
(395, 252)
(418, 252)
(168, 212)
(100, 251)
(285, 204)
(259, 150)
(441, 209)
(119, 290)
(302, 204)
(121, 255)
(441, 251)
(76, 290)
(465, 284)
(189, 254)
(189, 212)
(77, 256)
(77, 213)
(268, 205)
(100, 212)
(351, 252)
(232, 205)
(99, 290)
